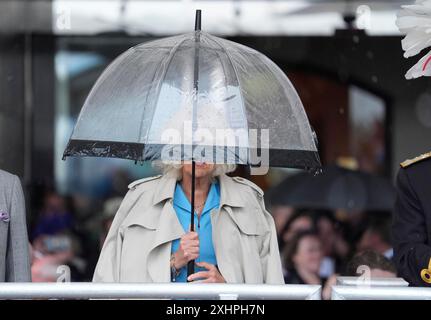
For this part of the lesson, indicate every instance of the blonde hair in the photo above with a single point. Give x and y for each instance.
(173, 169)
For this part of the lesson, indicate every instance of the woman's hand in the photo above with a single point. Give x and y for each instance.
(210, 276)
(188, 250)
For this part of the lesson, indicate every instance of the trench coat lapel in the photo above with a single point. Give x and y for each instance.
(233, 203)
(168, 229)
(228, 194)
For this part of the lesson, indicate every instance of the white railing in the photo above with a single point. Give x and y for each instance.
(373, 282)
(379, 293)
(78, 290)
(82, 290)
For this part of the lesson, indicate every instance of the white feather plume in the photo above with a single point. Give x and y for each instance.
(415, 22)
(422, 68)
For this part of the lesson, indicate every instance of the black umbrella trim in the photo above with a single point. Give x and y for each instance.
(300, 159)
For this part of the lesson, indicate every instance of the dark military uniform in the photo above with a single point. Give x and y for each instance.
(412, 221)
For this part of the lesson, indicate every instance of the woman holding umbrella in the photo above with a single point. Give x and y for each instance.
(234, 242)
(236, 105)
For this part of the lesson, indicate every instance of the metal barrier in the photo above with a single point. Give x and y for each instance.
(379, 293)
(78, 290)
(373, 282)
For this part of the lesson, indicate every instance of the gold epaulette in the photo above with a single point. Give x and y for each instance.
(409, 162)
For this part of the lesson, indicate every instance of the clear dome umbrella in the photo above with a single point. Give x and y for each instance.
(195, 97)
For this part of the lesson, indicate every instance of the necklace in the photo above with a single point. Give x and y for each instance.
(200, 206)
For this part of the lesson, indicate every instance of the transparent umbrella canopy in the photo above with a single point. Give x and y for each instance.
(195, 97)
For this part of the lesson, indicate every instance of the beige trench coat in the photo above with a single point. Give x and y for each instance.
(138, 245)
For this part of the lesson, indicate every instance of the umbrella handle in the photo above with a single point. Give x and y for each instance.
(191, 263)
(190, 268)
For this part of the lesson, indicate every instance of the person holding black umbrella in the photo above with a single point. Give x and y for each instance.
(234, 240)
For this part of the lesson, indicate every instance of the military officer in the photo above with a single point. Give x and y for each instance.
(412, 221)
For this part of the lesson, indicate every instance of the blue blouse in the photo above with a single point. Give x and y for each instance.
(203, 227)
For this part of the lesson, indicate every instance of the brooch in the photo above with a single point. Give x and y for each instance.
(4, 216)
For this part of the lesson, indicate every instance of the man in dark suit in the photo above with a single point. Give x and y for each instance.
(412, 221)
(14, 247)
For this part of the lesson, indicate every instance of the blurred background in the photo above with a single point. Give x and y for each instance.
(343, 57)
